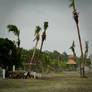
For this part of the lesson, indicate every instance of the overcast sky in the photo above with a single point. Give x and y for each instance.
(27, 14)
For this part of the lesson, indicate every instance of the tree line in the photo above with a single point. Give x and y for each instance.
(10, 56)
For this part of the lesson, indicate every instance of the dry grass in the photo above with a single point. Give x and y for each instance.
(49, 83)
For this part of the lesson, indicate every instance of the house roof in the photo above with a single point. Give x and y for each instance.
(71, 56)
(72, 62)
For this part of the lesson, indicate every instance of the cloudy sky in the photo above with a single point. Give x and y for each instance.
(27, 14)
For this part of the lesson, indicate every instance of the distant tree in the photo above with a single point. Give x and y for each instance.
(8, 54)
(88, 62)
(64, 57)
(75, 16)
(44, 62)
(62, 65)
(16, 31)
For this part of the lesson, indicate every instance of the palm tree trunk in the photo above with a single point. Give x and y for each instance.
(40, 51)
(34, 51)
(41, 46)
(83, 72)
(85, 57)
(18, 43)
(74, 54)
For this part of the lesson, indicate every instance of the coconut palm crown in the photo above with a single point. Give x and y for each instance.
(44, 32)
(73, 48)
(37, 30)
(45, 26)
(72, 3)
(16, 31)
(75, 13)
(37, 33)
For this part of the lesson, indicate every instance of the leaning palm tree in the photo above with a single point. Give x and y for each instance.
(86, 51)
(37, 37)
(16, 31)
(75, 16)
(73, 49)
(43, 38)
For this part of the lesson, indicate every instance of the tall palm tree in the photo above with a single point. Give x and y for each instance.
(16, 31)
(86, 51)
(43, 38)
(75, 16)
(37, 37)
(73, 49)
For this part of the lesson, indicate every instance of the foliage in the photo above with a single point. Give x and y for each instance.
(54, 55)
(88, 62)
(64, 56)
(37, 30)
(45, 25)
(72, 47)
(48, 60)
(72, 3)
(53, 60)
(14, 29)
(8, 53)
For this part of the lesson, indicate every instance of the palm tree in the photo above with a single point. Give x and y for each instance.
(16, 31)
(37, 37)
(86, 51)
(73, 49)
(75, 16)
(43, 38)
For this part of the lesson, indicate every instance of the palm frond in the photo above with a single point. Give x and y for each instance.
(72, 47)
(45, 25)
(72, 3)
(14, 29)
(37, 30)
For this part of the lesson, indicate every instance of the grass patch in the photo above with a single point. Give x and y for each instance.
(49, 83)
